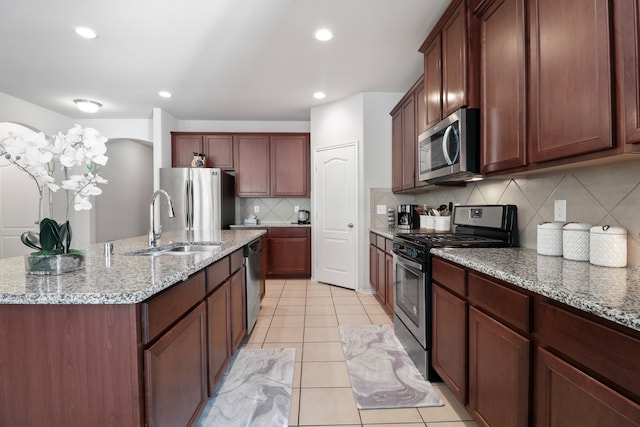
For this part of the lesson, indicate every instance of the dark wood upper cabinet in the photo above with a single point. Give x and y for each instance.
(290, 168)
(409, 143)
(570, 78)
(182, 149)
(627, 34)
(396, 150)
(433, 81)
(503, 85)
(451, 68)
(218, 149)
(253, 176)
(454, 61)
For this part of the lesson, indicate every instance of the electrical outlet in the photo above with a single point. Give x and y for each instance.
(296, 208)
(560, 210)
(381, 209)
(256, 209)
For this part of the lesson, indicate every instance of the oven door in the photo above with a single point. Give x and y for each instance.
(410, 298)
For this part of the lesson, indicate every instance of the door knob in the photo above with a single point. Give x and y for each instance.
(350, 225)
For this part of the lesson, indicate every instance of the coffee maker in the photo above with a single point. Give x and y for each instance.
(408, 217)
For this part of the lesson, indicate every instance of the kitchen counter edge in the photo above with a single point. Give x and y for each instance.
(609, 293)
(120, 279)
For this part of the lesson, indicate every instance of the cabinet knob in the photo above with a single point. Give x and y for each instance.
(350, 225)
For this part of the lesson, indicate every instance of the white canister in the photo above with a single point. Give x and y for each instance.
(550, 238)
(423, 221)
(575, 241)
(442, 223)
(431, 222)
(608, 246)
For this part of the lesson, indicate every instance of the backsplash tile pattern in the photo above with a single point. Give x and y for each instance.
(598, 196)
(273, 209)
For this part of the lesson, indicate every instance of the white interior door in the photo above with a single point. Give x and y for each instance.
(335, 209)
(19, 201)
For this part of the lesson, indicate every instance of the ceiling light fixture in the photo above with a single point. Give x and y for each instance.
(86, 33)
(87, 106)
(319, 95)
(323, 35)
(164, 94)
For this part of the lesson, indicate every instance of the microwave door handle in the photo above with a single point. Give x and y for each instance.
(445, 145)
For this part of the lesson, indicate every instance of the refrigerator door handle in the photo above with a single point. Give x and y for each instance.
(187, 205)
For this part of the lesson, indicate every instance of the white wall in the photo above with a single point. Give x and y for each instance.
(365, 118)
(122, 210)
(241, 126)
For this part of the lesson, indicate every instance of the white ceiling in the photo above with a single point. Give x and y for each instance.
(221, 59)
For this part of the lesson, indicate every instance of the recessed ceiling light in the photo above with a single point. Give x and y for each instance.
(87, 106)
(164, 94)
(323, 35)
(85, 32)
(319, 95)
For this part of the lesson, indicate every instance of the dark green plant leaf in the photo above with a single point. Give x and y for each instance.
(31, 239)
(65, 236)
(49, 235)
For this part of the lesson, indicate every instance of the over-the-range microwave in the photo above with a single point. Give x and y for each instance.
(450, 150)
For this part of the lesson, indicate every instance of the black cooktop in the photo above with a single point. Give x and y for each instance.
(450, 239)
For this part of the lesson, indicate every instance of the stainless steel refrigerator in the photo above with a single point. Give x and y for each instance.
(203, 199)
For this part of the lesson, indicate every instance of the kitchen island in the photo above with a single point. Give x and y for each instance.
(131, 340)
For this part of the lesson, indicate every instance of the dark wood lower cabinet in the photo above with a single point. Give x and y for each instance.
(175, 373)
(381, 265)
(388, 260)
(381, 270)
(499, 372)
(219, 333)
(238, 308)
(289, 252)
(567, 396)
(449, 356)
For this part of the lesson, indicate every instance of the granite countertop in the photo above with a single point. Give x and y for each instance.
(125, 279)
(610, 293)
(270, 224)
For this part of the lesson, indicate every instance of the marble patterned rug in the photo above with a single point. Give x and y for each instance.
(255, 391)
(382, 374)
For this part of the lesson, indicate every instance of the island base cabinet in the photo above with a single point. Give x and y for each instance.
(238, 308)
(219, 334)
(499, 372)
(69, 365)
(175, 373)
(567, 396)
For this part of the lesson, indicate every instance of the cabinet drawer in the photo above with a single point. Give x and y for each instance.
(217, 273)
(163, 310)
(380, 241)
(372, 238)
(237, 259)
(506, 304)
(288, 232)
(610, 353)
(388, 245)
(449, 276)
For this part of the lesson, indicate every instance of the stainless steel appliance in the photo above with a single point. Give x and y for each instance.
(203, 199)
(253, 276)
(408, 217)
(474, 226)
(304, 217)
(450, 150)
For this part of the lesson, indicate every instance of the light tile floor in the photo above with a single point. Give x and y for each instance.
(305, 315)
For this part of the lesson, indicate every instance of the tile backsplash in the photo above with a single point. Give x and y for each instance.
(272, 209)
(598, 196)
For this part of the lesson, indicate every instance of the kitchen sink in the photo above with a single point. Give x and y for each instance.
(182, 249)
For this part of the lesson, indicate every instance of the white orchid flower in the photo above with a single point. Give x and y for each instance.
(82, 204)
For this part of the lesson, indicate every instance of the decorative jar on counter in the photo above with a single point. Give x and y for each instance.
(575, 241)
(608, 246)
(550, 238)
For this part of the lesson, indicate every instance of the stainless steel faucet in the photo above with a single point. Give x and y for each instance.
(153, 236)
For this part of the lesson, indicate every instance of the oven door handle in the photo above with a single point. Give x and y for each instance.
(399, 260)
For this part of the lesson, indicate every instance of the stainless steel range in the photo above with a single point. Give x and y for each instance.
(474, 226)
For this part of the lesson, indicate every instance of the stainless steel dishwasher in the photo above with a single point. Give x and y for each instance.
(252, 254)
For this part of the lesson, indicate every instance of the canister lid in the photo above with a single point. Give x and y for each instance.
(550, 225)
(577, 226)
(606, 229)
